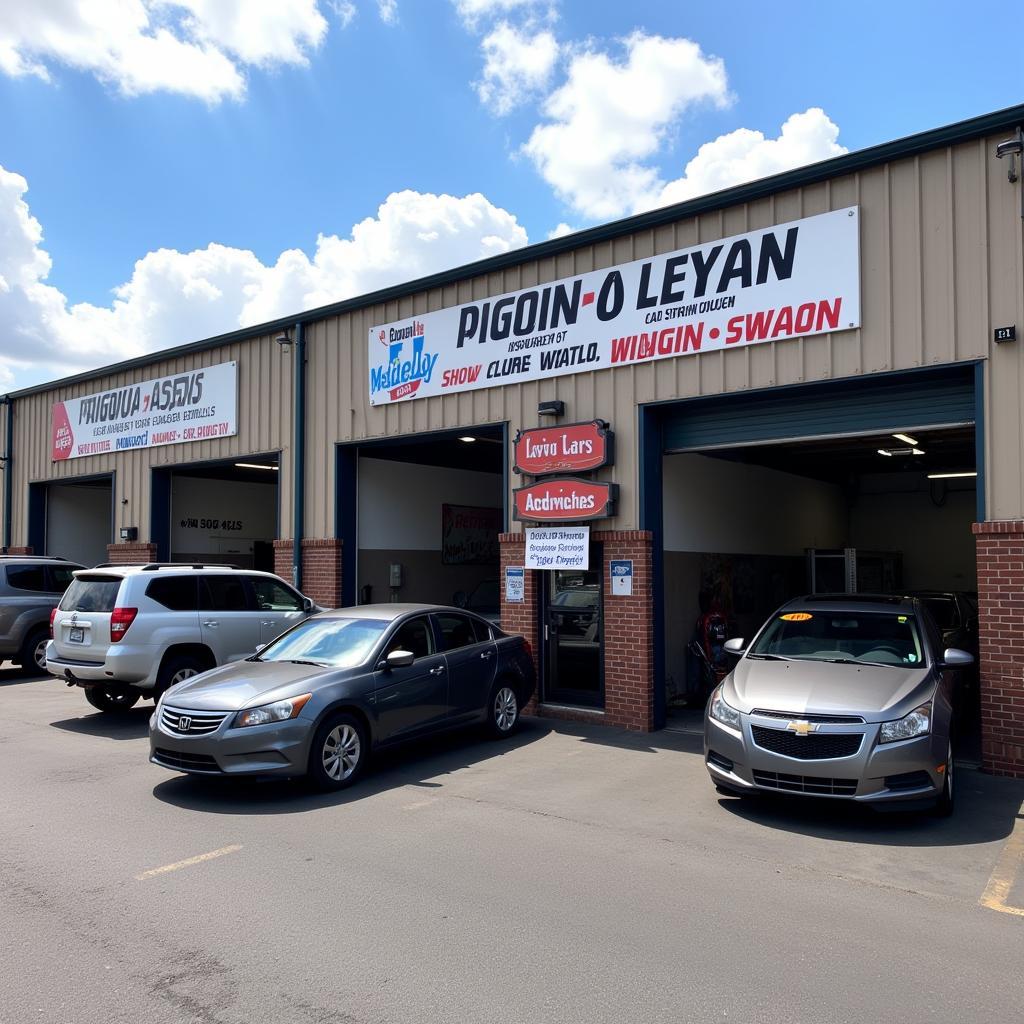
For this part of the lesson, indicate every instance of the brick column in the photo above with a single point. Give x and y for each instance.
(628, 632)
(520, 617)
(1001, 628)
(321, 568)
(19, 551)
(131, 554)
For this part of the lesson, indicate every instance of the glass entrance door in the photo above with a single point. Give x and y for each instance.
(574, 637)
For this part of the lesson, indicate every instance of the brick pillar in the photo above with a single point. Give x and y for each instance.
(19, 551)
(321, 568)
(628, 632)
(131, 554)
(1001, 628)
(520, 617)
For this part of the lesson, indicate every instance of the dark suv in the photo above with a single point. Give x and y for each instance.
(30, 588)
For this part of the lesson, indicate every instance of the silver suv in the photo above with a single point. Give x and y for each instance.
(123, 632)
(29, 591)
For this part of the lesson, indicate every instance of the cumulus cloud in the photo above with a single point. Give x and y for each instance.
(608, 119)
(388, 11)
(745, 155)
(199, 48)
(517, 65)
(472, 12)
(175, 297)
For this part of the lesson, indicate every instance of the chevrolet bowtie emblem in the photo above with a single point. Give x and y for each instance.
(801, 728)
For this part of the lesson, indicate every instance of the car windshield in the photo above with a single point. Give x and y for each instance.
(332, 642)
(868, 638)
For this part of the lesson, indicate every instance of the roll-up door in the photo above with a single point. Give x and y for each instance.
(864, 405)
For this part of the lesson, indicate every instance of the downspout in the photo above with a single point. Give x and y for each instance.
(8, 458)
(299, 455)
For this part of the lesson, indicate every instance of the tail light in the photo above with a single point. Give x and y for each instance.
(53, 615)
(120, 620)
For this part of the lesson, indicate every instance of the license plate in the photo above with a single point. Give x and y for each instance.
(77, 635)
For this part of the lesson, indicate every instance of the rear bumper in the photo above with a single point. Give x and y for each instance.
(130, 664)
(281, 749)
(901, 773)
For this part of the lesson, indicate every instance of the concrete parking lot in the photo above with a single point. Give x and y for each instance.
(571, 874)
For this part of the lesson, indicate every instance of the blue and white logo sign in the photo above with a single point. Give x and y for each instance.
(622, 577)
(515, 578)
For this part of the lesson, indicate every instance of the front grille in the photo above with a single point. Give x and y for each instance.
(719, 761)
(816, 747)
(791, 716)
(186, 762)
(908, 780)
(806, 784)
(196, 723)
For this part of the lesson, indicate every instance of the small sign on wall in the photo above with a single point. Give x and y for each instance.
(515, 584)
(558, 547)
(622, 577)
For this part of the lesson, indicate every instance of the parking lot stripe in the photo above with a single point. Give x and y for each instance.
(1004, 874)
(188, 862)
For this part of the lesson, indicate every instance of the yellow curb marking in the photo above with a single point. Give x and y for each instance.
(1004, 874)
(188, 862)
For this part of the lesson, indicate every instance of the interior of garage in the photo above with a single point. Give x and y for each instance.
(79, 516)
(225, 512)
(429, 511)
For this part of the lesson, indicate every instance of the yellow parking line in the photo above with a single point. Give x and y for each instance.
(1004, 874)
(188, 862)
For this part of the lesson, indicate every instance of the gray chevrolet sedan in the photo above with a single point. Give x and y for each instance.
(846, 696)
(321, 696)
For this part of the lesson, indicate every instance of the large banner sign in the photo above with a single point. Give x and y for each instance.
(193, 406)
(783, 282)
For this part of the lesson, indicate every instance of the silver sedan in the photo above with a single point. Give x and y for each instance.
(844, 697)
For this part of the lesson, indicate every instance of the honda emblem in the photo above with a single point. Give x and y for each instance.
(184, 723)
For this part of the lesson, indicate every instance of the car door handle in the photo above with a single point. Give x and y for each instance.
(487, 655)
(211, 623)
(437, 671)
(265, 623)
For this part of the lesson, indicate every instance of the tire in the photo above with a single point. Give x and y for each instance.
(176, 670)
(110, 701)
(502, 710)
(32, 657)
(339, 752)
(945, 805)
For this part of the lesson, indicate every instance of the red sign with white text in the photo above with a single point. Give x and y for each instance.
(564, 500)
(573, 448)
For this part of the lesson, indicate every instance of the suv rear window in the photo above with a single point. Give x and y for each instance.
(91, 594)
(27, 577)
(177, 593)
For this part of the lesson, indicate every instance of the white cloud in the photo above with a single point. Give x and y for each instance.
(344, 9)
(473, 11)
(199, 48)
(388, 11)
(745, 155)
(516, 66)
(561, 230)
(175, 297)
(608, 119)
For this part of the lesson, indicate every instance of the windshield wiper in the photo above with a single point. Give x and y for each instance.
(300, 661)
(254, 657)
(769, 657)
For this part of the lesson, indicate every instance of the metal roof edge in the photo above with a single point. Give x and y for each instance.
(808, 174)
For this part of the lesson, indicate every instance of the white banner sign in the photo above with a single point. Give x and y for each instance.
(194, 406)
(787, 281)
(558, 547)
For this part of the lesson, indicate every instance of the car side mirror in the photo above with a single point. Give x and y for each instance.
(736, 646)
(460, 599)
(399, 659)
(953, 657)
(307, 604)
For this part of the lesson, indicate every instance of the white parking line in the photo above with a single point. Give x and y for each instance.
(188, 862)
(419, 803)
(1004, 874)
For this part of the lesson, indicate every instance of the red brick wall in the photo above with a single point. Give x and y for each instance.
(520, 618)
(131, 554)
(20, 551)
(321, 568)
(1001, 625)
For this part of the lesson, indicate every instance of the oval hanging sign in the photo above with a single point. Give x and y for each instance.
(571, 448)
(564, 500)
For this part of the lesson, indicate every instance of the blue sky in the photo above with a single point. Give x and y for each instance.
(133, 143)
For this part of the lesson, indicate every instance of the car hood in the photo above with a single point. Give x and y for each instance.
(814, 687)
(244, 684)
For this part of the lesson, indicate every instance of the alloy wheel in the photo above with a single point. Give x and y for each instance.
(506, 709)
(39, 654)
(182, 674)
(341, 752)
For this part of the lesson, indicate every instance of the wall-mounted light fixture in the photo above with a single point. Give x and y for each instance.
(1013, 148)
(555, 408)
(285, 341)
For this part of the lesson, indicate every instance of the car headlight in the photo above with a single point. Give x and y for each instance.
(722, 712)
(279, 711)
(917, 723)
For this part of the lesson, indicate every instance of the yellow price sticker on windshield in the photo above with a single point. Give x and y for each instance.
(796, 616)
(901, 618)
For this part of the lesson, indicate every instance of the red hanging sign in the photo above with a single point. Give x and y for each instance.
(564, 500)
(572, 448)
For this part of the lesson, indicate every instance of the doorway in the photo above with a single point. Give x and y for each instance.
(573, 635)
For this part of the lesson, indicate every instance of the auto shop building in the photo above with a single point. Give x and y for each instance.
(810, 382)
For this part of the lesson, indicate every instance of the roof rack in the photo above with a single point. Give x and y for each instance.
(154, 566)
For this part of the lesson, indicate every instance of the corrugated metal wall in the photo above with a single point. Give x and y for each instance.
(942, 261)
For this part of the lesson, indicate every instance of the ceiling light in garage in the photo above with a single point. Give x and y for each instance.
(255, 465)
(951, 476)
(905, 438)
(900, 451)
(467, 440)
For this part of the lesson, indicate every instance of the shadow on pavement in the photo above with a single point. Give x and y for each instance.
(124, 725)
(14, 675)
(419, 763)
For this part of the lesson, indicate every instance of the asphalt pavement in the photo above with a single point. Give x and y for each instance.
(570, 874)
